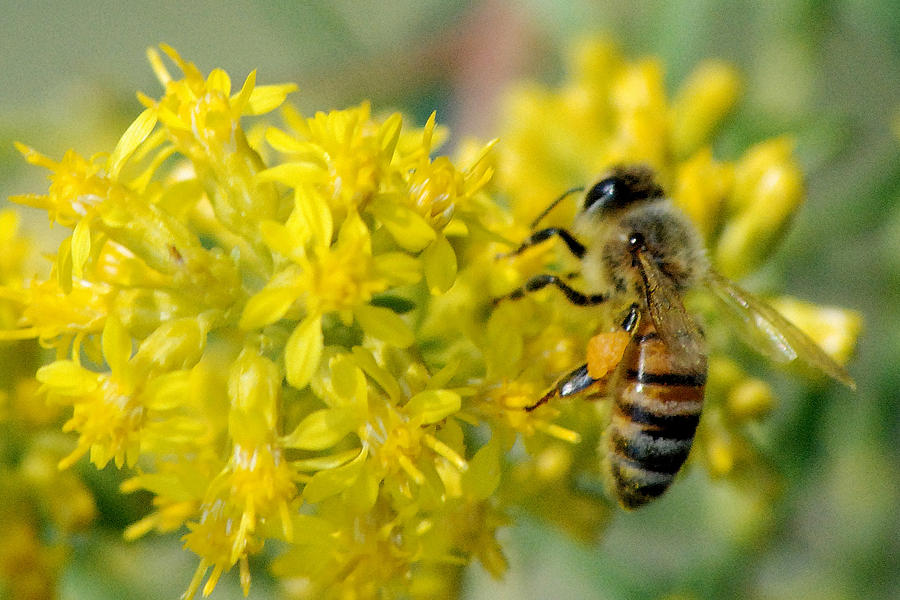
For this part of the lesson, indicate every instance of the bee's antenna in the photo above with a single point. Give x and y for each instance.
(553, 204)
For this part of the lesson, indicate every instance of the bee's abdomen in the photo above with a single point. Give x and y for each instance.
(657, 408)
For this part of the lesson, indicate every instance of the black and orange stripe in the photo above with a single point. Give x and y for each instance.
(657, 409)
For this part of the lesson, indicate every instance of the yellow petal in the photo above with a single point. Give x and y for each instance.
(267, 306)
(701, 187)
(254, 388)
(389, 133)
(385, 325)
(266, 98)
(64, 265)
(360, 497)
(433, 405)
(219, 81)
(381, 376)
(348, 382)
(81, 247)
(303, 351)
(483, 475)
(239, 101)
(333, 481)
(440, 264)
(282, 240)
(407, 227)
(322, 429)
(316, 214)
(136, 133)
(287, 143)
(116, 344)
(67, 378)
(329, 461)
(293, 173)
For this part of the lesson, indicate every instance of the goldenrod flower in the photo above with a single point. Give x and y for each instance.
(208, 300)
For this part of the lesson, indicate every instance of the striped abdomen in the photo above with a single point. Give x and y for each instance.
(657, 408)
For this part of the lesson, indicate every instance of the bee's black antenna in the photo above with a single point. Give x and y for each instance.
(553, 204)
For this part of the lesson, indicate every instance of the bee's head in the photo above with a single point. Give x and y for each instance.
(623, 187)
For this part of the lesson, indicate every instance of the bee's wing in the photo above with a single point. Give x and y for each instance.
(677, 330)
(770, 332)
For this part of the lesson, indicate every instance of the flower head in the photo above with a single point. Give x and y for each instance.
(209, 299)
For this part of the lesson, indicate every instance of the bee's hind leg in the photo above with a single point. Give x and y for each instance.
(576, 381)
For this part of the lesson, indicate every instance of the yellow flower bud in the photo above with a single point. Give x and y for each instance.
(700, 105)
(751, 399)
(768, 188)
(174, 345)
(719, 455)
(254, 386)
(701, 187)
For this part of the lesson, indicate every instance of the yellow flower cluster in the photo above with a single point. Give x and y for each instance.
(285, 332)
(233, 329)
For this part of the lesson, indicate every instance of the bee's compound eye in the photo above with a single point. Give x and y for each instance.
(603, 193)
(608, 194)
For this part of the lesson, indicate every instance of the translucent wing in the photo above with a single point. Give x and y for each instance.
(675, 327)
(771, 333)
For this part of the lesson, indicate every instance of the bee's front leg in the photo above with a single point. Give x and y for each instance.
(539, 282)
(574, 246)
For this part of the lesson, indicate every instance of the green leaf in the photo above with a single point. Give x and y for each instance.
(396, 304)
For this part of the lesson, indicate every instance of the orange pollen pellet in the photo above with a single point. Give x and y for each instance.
(604, 352)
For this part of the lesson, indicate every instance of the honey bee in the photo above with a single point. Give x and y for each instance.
(636, 246)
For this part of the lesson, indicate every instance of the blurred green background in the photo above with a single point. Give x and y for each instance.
(826, 71)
